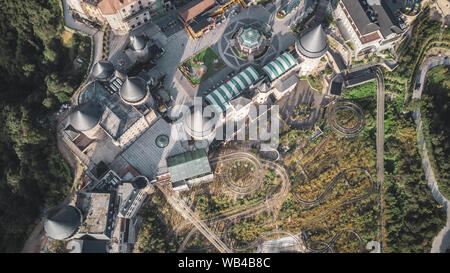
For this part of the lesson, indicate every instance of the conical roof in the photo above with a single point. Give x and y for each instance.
(133, 90)
(139, 182)
(102, 70)
(197, 125)
(85, 116)
(313, 44)
(137, 43)
(62, 222)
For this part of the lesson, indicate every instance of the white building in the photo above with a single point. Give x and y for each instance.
(311, 46)
(368, 24)
(120, 15)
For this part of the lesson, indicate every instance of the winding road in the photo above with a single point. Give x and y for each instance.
(343, 173)
(75, 25)
(442, 241)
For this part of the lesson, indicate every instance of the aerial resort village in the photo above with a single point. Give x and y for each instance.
(159, 128)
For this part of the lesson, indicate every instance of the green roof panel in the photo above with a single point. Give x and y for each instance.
(233, 88)
(279, 66)
(188, 165)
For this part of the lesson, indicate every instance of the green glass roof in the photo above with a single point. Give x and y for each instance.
(188, 165)
(250, 37)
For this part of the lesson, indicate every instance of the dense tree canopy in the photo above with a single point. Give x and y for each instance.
(33, 74)
(436, 118)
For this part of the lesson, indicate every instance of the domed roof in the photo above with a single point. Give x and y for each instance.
(162, 141)
(313, 44)
(197, 125)
(62, 222)
(102, 70)
(85, 116)
(133, 90)
(137, 43)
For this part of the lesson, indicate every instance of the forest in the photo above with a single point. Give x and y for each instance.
(413, 217)
(436, 119)
(154, 232)
(36, 77)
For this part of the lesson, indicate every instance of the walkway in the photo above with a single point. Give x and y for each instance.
(380, 149)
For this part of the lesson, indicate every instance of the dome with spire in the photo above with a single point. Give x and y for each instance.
(85, 116)
(313, 44)
(196, 125)
(62, 222)
(102, 70)
(134, 90)
(137, 43)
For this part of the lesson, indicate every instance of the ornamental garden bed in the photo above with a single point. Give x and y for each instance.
(201, 66)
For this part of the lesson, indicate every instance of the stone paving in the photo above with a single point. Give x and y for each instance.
(303, 93)
(179, 46)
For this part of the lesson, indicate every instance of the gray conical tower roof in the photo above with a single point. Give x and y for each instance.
(137, 43)
(139, 182)
(133, 90)
(102, 70)
(313, 44)
(196, 124)
(62, 222)
(85, 116)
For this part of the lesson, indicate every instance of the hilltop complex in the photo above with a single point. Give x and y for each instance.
(141, 122)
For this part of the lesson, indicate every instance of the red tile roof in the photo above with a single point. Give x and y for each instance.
(195, 8)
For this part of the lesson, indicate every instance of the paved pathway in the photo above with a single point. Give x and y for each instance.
(427, 64)
(442, 241)
(97, 35)
(380, 149)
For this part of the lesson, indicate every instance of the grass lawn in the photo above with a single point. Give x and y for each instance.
(207, 57)
(360, 91)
